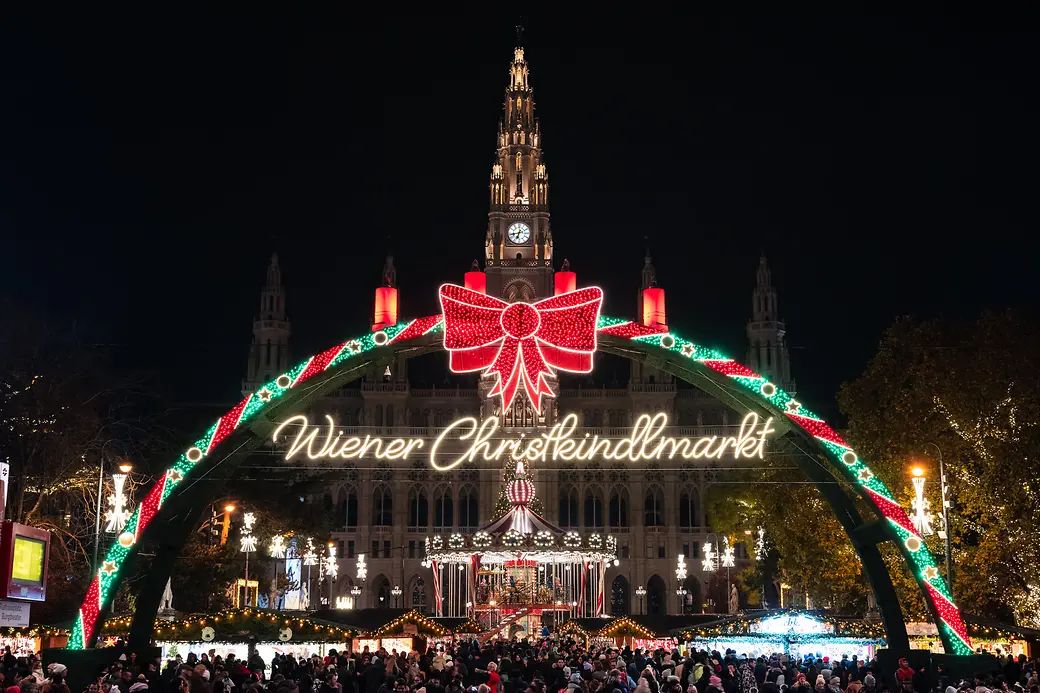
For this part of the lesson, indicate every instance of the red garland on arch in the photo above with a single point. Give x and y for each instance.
(521, 343)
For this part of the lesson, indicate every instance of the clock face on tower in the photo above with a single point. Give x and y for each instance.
(519, 233)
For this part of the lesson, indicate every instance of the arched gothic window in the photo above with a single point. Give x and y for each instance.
(653, 507)
(568, 507)
(443, 508)
(468, 508)
(688, 509)
(382, 507)
(347, 507)
(618, 510)
(418, 508)
(593, 509)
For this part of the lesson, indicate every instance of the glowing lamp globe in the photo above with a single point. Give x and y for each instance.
(520, 491)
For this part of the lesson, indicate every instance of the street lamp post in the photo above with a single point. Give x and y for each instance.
(117, 516)
(640, 593)
(277, 552)
(248, 546)
(681, 598)
(715, 559)
(355, 592)
(396, 592)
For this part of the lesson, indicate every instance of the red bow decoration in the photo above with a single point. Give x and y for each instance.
(520, 342)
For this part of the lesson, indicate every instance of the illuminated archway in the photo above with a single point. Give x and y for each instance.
(230, 439)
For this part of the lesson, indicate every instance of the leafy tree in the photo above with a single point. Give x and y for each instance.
(972, 390)
(65, 411)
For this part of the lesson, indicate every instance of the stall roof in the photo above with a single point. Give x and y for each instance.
(363, 620)
(458, 624)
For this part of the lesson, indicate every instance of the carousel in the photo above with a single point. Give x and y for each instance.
(520, 574)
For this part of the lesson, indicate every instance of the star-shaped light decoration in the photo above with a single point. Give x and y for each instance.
(175, 475)
(108, 567)
(265, 395)
(687, 350)
(354, 346)
(930, 573)
(865, 475)
(793, 406)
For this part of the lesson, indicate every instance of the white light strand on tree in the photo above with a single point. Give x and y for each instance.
(760, 544)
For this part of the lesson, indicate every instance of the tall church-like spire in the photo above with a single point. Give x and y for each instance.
(269, 352)
(519, 244)
(767, 347)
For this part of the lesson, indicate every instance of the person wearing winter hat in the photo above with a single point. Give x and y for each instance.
(141, 684)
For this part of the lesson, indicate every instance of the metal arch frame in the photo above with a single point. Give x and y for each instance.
(182, 508)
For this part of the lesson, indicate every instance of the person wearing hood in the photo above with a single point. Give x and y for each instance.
(140, 685)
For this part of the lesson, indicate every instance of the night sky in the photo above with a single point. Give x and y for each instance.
(151, 163)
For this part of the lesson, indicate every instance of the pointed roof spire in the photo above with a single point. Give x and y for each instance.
(519, 34)
(649, 279)
(762, 276)
(389, 272)
(274, 272)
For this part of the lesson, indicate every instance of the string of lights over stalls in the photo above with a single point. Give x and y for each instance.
(921, 561)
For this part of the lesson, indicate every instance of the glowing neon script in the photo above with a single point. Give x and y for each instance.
(646, 442)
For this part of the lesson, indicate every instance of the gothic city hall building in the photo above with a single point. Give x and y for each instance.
(656, 510)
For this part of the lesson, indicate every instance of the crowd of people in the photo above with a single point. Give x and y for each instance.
(542, 666)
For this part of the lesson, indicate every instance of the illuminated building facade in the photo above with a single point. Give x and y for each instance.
(384, 510)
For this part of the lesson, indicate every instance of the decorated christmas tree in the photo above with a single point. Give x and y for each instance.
(513, 471)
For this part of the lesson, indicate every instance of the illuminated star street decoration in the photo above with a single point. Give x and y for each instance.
(687, 349)
(310, 556)
(930, 573)
(175, 475)
(708, 564)
(727, 554)
(108, 567)
(354, 346)
(265, 395)
(521, 344)
(248, 538)
(117, 513)
(793, 406)
(277, 546)
(362, 567)
(865, 475)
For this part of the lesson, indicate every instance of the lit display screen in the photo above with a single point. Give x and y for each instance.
(27, 564)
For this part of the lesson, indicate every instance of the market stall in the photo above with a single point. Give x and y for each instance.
(31, 639)
(405, 633)
(792, 632)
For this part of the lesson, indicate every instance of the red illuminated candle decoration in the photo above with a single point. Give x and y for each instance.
(475, 280)
(386, 308)
(653, 307)
(566, 281)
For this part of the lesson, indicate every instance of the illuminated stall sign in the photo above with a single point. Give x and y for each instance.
(468, 440)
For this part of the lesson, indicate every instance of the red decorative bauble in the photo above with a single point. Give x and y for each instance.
(520, 491)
